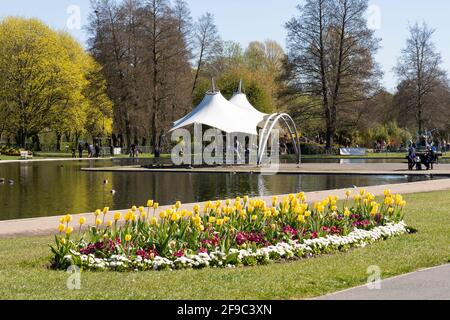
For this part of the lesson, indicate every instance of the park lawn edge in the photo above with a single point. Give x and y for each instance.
(23, 275)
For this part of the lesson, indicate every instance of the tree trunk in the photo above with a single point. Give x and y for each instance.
(36, 143)
(58, 141)
(154, 133)
(21, 138)
(420, 112)
(331, 131)
(114, 140)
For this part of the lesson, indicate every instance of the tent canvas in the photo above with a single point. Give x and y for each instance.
(217, 112)
(240, 99)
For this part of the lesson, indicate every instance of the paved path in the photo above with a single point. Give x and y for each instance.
(429, 284)
(47, 225)
(306, 168)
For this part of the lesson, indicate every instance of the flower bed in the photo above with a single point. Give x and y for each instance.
(235, 233)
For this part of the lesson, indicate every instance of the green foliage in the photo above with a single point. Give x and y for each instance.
(391, 133)
(44, 80)
(259, 66)
(8, 151)
(315, 149)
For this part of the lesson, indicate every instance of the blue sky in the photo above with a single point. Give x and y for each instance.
(247, 20)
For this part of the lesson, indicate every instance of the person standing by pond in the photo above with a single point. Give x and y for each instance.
(80, 151)
(132, 151)
(411, 156)
(97, 150)
(91, 151)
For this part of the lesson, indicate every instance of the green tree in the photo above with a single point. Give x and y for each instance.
(36, 75)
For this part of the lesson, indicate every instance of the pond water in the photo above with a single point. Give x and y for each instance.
(57, 187)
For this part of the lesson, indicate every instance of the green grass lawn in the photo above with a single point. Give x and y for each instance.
(23, 272)
(3, 157)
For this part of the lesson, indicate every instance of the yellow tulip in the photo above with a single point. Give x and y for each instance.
(68, 218)
(63, 241)
(196, 208)
(141, 209)
(228, 202)
(387, 193)
(362, 192)
(178, 204)
(61, 227)
(226, 219)
(307, 213)
(254, 217)
(128, 238)
(150, 203)
(175, 217)
(245, 199)
(133, 208)
(105, 210)
(98, 222)
(82, 221)
(156, 206)
(301, 219)
(69, 231)
(154, 221)
(347, 212)
(374, 211)
(391, 210)
(219, 222)
(109, 224)
(62, 219)
(348, 193)
(97, 212)
(117, 216)
(143, 215)
(212, 220)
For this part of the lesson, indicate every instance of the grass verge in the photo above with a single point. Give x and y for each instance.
(23, 274)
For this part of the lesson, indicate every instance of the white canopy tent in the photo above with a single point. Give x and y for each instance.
(217, 112)
(240, 99)
(238, 116)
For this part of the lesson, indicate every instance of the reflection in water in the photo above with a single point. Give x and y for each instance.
(54, 188)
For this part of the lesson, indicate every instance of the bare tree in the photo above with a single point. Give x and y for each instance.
(331, 56)
(420, 67)
(184, 20)
(143, 48)
(207, 42)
